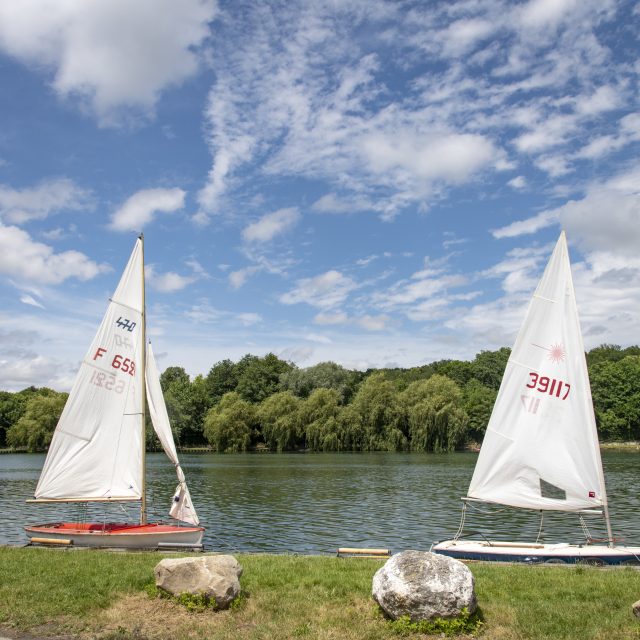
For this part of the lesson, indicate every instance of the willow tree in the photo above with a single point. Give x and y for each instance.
(380, 415)
(437, 421)
(35, 427)
(279, 418)
(229, 426)
(319, 415)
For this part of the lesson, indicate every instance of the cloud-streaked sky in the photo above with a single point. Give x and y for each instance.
(378, 183)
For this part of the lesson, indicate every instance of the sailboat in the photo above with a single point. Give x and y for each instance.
(540, 450)
(97, 453)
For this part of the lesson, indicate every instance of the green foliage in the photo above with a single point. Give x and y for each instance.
(229, 426)
(616, 395)
(279, 417)
(193, 602)
(478, 404)
(187, 404)
(12, 406)
(260, 377)
(378, 411)
(437, 421)
(35, 427)
(466, 623)
(488, 367)
(325, 375)
(319, 415)
(222, 378)
(461, 372)
(610, 353)
(435, 407)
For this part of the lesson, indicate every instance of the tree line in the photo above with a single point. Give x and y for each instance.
(268, 403)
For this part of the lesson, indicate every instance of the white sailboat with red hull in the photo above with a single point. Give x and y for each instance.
(97, 453)
(541, 450)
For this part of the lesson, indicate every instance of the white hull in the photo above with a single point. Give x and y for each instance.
(537, 553)
(115, 536)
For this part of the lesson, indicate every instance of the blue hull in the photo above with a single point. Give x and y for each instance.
(487, 556)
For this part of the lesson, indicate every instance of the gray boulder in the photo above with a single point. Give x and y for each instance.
(216, 577)
(423, 586)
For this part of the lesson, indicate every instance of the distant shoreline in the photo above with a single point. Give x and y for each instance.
(470, 447)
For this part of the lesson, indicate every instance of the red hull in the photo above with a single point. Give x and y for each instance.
(117, 534)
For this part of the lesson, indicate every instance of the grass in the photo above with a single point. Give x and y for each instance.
(106, 596)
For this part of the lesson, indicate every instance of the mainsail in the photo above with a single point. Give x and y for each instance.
(96, 450)
(182, 508)
(541, 449)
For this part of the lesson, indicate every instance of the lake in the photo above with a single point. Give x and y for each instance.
(314, 503)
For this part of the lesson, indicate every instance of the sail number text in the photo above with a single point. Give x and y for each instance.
(123, 323)
(107, 380)
(550, 386)
(126, 365)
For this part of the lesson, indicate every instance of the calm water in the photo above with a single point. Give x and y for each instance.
(315, 503)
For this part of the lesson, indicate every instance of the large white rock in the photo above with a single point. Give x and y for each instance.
(423, 586)
(213, 576)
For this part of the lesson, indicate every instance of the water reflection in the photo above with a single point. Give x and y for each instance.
(315, 503)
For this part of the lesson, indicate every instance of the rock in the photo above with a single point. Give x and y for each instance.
(423, 586)
(216, 577)
(635, 607)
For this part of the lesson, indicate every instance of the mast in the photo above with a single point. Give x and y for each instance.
(143, 394)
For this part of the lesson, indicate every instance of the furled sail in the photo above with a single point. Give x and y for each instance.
(182, 507)
(541, 449)
(96, 450)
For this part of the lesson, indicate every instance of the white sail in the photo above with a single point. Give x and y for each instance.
(541, 448)
(182, 507)
(96, 450)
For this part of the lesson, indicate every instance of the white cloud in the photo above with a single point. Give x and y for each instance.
(424, 284)
(39, 202)
(319, 338)
(332, 203)
(545, 13)
(239, 277)
(331, 318)
(525, 77)
(530, 225)
(167, 282)
(450, 157)
(518, 183)
(248, 319)
(31, 301)
(17, 373)
(462, 36)
(114, 55)
(373, 323)
(363, 262)
(142, 206)
(324, 291)
(628, 132)
(366, 321)
(606, 218)
(24, 259)
(271, 225)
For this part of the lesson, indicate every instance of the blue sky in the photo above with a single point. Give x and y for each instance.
(375, 183)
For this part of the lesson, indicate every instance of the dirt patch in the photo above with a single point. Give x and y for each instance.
(140, 617)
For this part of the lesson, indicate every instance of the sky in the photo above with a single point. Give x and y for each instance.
(377, 183)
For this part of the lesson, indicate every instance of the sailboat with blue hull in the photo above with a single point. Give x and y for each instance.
(541, 450)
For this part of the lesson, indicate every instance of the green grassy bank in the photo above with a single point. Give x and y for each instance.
(94, 594)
